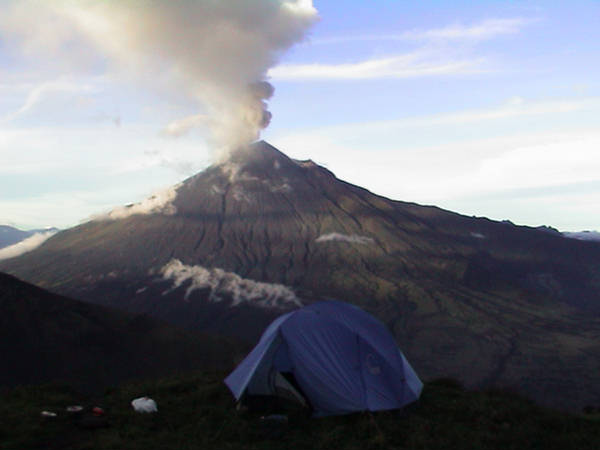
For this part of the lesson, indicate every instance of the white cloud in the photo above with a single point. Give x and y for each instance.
(228, 284)
(182, 164)
(26, 245)
(464, 168)
(106, 149)
(388, 137)
(408, 65)
(60, 176)
(38, 93)
(61, 210)
(486, 29)
(433, 57)
(513, 108)
(573, 159)
(64, 209)
(349, 238)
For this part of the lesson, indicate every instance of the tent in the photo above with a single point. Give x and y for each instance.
(332, 355)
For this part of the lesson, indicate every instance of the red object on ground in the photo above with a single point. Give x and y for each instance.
(97, 411)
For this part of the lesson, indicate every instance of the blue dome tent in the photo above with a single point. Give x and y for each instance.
(341, 359)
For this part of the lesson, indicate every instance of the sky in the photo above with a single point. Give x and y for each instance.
(487, 108)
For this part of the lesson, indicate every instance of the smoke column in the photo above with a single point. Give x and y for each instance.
(216, 52)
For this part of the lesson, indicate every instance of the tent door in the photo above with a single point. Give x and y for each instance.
(283, 388)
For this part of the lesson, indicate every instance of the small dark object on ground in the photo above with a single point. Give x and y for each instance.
(91, 422)
(273, 426)
(450, 383)
(281, 418)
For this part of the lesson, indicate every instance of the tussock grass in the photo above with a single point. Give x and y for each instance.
(197, 411)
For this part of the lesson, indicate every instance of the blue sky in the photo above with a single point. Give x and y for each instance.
(484, 108)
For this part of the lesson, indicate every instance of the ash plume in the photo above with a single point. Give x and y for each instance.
(216, 53)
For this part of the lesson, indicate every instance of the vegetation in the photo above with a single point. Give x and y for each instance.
(197, 411)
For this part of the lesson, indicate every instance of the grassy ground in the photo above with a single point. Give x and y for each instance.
(197, 412)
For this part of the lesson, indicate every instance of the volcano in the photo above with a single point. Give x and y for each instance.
(227, 250)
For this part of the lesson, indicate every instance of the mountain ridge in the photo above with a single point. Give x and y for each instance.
(11, 235)
(46, 337)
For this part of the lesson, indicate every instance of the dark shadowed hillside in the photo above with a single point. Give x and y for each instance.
(489, 303)
(45, 337)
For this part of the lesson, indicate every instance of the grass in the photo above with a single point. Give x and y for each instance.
(197, 411)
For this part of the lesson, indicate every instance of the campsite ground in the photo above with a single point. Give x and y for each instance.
(197, 411)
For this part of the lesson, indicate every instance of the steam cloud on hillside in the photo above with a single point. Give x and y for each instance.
(230, 285)
(216, 53)
(352, 238)
(26, 245)
(158, 203)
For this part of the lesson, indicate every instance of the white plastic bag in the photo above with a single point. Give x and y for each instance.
(144, 405)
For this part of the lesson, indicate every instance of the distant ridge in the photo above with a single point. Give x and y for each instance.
(583, 235)
(10, 235)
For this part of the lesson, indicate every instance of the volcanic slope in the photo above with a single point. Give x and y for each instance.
(228, 249)
(46, 337)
